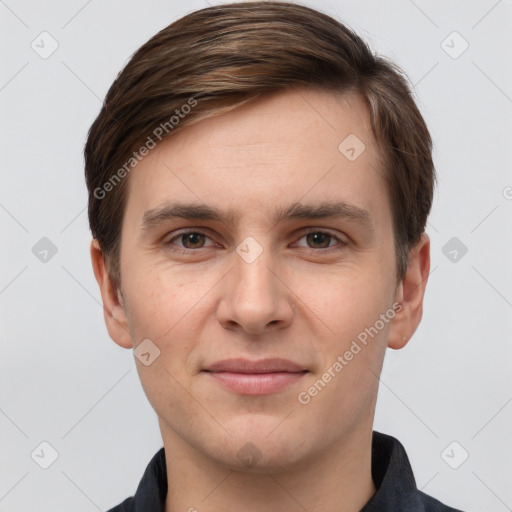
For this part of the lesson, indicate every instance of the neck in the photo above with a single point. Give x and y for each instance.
(338, 480)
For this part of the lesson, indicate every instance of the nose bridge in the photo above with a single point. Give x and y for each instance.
(253, 278)
(254, 297)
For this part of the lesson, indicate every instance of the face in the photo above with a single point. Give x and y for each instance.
(261, 272)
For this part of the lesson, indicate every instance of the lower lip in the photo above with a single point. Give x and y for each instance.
(256, 383)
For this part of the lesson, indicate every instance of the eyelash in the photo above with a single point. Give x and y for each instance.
(340, 245)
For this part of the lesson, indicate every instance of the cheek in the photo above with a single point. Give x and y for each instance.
(171, 307)
(156, 304)
(354, 339)
(162, 310)
(344, 302)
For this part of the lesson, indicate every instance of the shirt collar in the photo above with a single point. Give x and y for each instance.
(392, 475)
(152, 490)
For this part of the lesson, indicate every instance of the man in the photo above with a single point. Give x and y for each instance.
(259, 184)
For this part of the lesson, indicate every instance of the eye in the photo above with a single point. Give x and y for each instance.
(321, 239)
(190, 239)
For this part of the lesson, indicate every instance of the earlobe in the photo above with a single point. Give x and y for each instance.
(113, 307)
(410, 294)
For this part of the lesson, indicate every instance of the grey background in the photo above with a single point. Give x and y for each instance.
(64, 382)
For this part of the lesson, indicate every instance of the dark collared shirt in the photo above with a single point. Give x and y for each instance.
(391, 473)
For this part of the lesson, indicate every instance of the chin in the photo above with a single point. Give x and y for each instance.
(250, 459)
(261, 451)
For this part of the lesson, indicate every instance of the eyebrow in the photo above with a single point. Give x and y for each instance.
(201, 211)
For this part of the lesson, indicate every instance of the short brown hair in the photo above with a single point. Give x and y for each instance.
(220, 57)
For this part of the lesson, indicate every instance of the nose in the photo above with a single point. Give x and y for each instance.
(255, 296)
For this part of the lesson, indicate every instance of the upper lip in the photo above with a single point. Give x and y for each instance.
(262, 366)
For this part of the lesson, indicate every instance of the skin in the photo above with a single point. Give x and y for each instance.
(297, 300)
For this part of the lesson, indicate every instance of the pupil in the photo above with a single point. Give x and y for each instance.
(315, 237)
(192, 238)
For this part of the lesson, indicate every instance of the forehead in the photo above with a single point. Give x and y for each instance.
(292, 146)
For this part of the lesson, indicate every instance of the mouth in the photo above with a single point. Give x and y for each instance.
(255, 377)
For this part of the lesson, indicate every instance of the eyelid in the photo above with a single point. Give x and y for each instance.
(303, 232)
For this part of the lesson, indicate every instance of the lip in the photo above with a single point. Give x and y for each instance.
(255, 377)
(241, 365)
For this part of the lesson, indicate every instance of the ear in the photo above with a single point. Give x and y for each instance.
(113, 307)
(410, 293)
